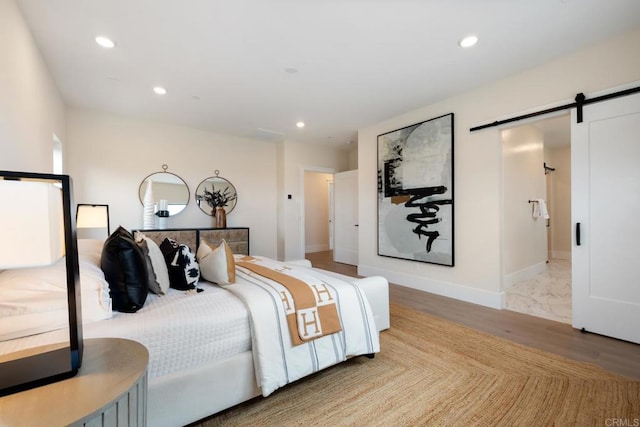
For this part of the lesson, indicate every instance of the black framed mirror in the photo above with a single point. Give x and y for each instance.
(214, 192)
(166, 186)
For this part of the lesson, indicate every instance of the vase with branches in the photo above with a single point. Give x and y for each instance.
(216, 198)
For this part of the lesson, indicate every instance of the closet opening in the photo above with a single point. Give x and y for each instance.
(318, 232)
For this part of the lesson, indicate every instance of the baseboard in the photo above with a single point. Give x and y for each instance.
(316, 248)
(345, 256)
(524, 274)
(446, 289)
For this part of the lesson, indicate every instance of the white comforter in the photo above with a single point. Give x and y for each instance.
(277, 361)
(181, 329)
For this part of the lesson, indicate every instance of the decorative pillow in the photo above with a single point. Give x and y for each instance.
(184, 271)
(125, 270)
(216, 263)
(34, 300)
(158, 273)
(154, 286)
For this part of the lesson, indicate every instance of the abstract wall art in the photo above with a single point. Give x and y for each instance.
(415, 192)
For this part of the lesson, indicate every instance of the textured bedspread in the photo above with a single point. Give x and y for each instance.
(181, 330)
(277, 360)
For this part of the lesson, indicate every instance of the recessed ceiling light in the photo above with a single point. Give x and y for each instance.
(291, 70)
(468, 41)
(160, 90)
(105, 42)
(300, 124)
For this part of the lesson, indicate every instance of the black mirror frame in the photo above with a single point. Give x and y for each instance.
(164, 170)
(199, 198)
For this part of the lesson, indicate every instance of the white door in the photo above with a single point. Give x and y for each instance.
(345, 190)
(331, 214)
(605, 162)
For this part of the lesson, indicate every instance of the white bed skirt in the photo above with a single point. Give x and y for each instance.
(190, 395)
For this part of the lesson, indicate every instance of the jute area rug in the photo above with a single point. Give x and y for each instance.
(431, 372)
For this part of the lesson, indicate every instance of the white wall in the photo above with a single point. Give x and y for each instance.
(31, 108)
(353, 158)
(560, 201)
(110, 156)
(525, 236)
(316, 211)
(298, 158)
(477, 276)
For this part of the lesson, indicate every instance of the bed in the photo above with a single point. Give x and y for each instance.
(200, 344)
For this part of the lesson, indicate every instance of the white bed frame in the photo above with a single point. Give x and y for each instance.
(188, 396)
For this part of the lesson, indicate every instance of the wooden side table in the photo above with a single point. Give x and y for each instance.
(109, 390)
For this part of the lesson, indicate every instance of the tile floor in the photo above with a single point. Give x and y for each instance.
(548, 295)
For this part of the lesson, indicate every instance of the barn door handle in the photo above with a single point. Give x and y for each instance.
(578, 233)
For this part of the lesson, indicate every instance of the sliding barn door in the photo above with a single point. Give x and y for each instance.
(605, 163)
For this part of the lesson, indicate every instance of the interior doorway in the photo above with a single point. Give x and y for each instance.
(318, 211)
(537, 249)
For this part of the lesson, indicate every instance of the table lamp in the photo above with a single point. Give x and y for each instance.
(38, 229)
(92, 218)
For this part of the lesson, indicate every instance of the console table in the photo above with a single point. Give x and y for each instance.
(236, 237)
(109, 390)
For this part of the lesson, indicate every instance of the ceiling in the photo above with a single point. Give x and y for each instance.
(254, 68)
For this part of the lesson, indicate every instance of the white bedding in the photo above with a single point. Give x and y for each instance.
(34, 300)
(182, 329)
(179, 329)
(277, 360)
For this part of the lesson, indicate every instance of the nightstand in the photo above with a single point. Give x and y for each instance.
(109, 390)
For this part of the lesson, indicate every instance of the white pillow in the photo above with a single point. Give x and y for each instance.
(94, 290)
(34, 300)
(157, 262)
(216, 264)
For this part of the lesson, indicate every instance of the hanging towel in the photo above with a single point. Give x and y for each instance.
(540, 209)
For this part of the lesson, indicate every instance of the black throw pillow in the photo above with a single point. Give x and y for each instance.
(184, 271)
(125, 269)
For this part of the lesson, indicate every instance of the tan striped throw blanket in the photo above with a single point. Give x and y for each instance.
(277, 360)
(310, 307)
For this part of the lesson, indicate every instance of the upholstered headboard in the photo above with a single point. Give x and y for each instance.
(237, 238)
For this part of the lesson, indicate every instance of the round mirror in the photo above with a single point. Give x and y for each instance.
(216, 192)
(168, 190)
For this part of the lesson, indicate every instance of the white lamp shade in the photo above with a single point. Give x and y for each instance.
(92, 216)
(32, 220)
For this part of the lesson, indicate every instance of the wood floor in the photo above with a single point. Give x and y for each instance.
(614, 355)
